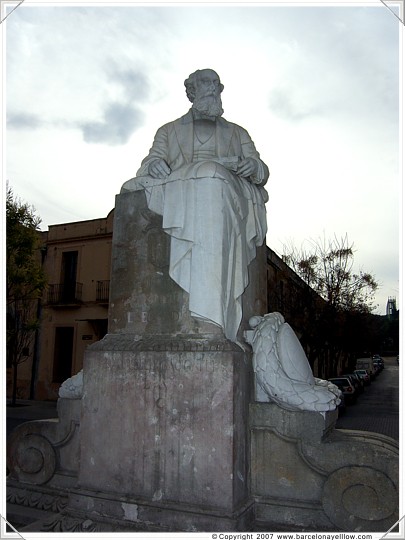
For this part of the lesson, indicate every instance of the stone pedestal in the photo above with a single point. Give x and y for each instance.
(165, 407)
(168, 430)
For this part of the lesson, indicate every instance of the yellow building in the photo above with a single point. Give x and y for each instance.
(74, 309)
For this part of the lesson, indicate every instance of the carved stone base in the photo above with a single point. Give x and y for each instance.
(31, 504)
(305, 473)
(47, 451)
(123, 513)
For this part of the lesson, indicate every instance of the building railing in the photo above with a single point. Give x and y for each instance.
(103, 291)
(65, 293)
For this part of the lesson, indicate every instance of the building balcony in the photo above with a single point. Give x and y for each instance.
(65, 294)
(103, 291)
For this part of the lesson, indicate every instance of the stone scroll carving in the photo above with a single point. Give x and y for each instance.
(282, 370)
(40, 449)
(362, 496)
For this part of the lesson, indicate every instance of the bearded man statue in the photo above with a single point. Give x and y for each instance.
(204, 175)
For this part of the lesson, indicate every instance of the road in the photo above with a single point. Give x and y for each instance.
(377, 409)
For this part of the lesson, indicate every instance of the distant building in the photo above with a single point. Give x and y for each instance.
(74, 308)
(391, 306)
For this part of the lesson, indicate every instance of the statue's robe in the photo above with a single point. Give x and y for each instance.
(215, 218)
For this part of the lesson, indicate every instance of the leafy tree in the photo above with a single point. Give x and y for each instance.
(25, 281)
(336, 326)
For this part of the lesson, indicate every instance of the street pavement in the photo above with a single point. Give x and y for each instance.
(377, 409)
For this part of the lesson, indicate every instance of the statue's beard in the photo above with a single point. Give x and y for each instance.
(208, 105)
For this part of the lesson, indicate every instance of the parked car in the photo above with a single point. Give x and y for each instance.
(344, 384)
(363, 373)
(360, 381)
(378, 357)
(377, 368)
(380, 361)
(355, 382)
(366, 363)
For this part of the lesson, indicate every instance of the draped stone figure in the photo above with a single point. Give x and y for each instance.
(204, 175)
(282, 371)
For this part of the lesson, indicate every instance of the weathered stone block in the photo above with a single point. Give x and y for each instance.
(176, 423)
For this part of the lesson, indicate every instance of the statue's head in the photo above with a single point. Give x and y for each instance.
(203, 81)
(203, 89)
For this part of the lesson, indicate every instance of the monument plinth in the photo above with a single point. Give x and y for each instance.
(167, 391)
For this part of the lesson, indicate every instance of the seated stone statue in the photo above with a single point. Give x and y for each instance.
(204, 175)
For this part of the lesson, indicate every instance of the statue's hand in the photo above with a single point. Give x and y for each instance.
(159, 168)
(247, 167)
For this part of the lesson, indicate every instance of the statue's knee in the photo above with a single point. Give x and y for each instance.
(208, 169)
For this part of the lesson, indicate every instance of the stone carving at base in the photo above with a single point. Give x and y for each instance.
(41, 450)
(33, 458)
(350, 492)
(318, 477)
(63, 524)
(34, 499)
(282, 370)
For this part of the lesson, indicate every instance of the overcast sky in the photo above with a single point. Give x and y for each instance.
(316, 86)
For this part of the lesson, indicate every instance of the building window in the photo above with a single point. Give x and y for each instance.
(103, 291)
(63, 354)
(68, 291)
(68, 275)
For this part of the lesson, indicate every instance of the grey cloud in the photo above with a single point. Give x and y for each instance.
(23, 121)
(120, 119)
(119, 122)
(134, 82)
